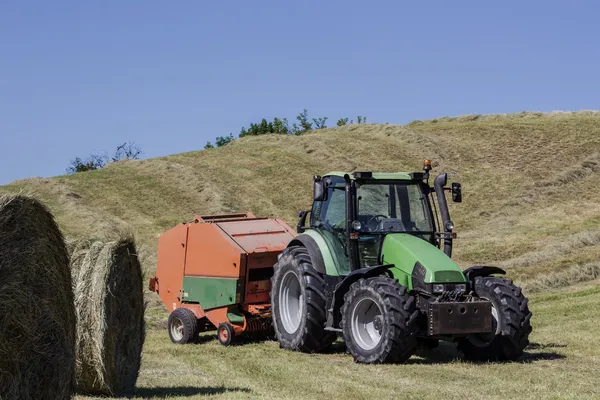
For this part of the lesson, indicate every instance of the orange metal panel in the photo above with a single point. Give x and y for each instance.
(210, 252)
(195, 308)
(224, 217)
(260, 235)
(260, 297)
(170, 265)
(219, 315)
(258, 286)
(259, 309)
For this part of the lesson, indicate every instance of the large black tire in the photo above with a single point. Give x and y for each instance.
(512, 323)
(182, 326)
(395, 321)
(306, 332)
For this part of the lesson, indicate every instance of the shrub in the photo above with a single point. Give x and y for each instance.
(320, 122)
(91, 163)
(303, 119)
(125, 151)
(223, 140)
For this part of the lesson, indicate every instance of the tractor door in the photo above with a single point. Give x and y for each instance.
(328, 219)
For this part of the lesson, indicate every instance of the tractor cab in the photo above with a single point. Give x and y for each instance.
(354, 212)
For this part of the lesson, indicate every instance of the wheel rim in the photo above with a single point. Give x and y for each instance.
(484, 340)
(224, 334)
(177, 329)
(291, 302)
(367, 323)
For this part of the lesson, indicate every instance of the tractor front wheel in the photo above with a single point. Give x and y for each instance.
(298, 303)
(379, 321)
(511, 323)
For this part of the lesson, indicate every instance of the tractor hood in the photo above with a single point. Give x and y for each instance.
(405, 251)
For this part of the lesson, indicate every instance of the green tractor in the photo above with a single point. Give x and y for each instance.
(370, 267)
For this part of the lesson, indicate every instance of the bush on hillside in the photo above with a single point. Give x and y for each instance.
(320, 122)
(223, 140)
(342, 121)
(125, 151)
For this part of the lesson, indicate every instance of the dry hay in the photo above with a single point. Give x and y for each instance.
(37, 316)
(557, 248)
(109, 302)
(568, 277)
(523, 115)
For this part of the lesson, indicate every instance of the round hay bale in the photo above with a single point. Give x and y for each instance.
(109, 302)
(37, 315)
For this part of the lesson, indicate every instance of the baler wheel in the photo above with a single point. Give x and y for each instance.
(182, 326)
(225, 333)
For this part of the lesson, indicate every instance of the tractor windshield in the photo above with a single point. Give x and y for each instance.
(393, 207)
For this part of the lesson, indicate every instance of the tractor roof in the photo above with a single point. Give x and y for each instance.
(385, 176)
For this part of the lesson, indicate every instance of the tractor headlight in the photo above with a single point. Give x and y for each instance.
(449, 225)
(356, 225)
(461, 287)
(438, 288)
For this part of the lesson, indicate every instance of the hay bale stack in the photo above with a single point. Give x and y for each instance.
(109, 303)
(37, 316)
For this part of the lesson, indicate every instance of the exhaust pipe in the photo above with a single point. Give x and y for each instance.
(351, 242)
(439, 183)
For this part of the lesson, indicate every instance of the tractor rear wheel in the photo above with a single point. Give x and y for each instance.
(379, 321)
(182, 326)
(299, 303)
(511, 322)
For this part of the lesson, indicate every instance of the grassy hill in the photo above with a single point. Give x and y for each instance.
(530, 203)
(530, 185)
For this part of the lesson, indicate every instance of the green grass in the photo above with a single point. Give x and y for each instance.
(562, 362)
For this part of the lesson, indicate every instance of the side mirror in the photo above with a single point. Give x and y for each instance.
(302, 221)
(320, 190)
(456, 192)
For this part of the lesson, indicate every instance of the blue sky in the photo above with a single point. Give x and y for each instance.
(78, 77)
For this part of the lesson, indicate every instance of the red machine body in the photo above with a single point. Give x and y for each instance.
(219, 267)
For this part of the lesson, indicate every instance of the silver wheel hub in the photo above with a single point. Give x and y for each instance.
(177, 329)
(291, 302)
(366, 322)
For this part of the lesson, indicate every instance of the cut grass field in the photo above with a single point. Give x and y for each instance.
(530, 204)
(562, 362)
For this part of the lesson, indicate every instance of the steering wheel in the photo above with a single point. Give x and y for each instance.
(375, 218)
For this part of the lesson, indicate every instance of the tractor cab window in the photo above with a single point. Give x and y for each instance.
(384, 208)
(331, 214)
(394, 207)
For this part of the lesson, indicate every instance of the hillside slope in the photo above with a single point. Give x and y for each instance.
(530, 184)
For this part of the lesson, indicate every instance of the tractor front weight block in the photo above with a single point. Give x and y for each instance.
(459, 318)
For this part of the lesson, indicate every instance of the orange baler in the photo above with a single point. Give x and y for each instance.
(215, 272)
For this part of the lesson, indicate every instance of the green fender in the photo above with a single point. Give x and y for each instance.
(325, 252)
